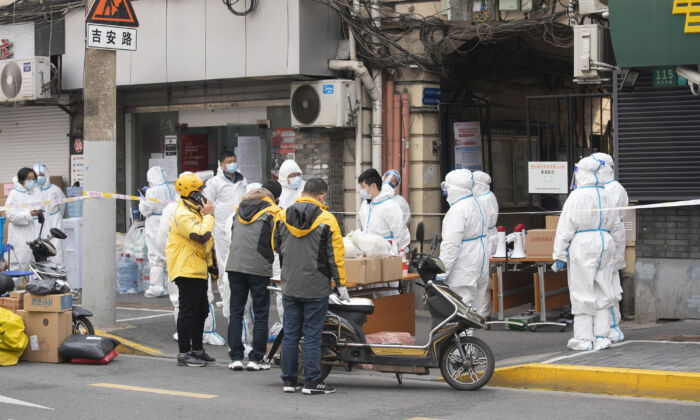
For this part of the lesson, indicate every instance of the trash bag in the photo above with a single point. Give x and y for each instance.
(351, 251)
(13, 340)
(91, 347)
(135, 242)
(43, 287)
(6, 284)
(127, 276)
(373, 246)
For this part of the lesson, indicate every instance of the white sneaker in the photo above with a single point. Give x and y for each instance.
(601, 343)
(616, 334)
(256, 366)
(237, 366)
(175, 336)
(579, 345)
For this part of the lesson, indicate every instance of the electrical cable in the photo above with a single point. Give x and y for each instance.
(230, 3)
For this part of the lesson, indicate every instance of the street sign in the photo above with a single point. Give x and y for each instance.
(548, 178)
(113, 12)
(432, 96)
(111, 37)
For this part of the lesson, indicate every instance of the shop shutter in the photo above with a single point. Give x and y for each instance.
(657, 134)
(34, 134)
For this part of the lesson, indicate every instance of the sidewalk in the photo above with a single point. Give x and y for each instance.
(659, 360)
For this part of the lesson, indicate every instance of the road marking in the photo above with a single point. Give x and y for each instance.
(130, 347)
(144, 309)
(8, 400)
(145, 317)
(155, 391)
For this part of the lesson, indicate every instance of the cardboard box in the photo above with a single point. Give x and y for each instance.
(539, 243)
(46, 332)
(11, 304)
(48, 303)
(18, 294)
(551, 222)
(363, 270)
(392, 269)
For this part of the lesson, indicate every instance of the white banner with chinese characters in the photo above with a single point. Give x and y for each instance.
(548, 178)
(111, 37)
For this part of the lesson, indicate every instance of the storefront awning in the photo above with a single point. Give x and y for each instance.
(647, 33)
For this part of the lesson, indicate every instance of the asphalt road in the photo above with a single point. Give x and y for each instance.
(147, 388)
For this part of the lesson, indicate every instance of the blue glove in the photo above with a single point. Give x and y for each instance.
(559, 265)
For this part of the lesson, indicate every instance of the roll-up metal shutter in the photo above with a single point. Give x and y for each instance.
(657, 139)
(34, 134)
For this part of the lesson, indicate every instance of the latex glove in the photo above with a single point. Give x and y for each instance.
(558, 265)
(343, 293)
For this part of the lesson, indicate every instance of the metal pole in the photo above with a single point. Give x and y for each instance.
(99, 215)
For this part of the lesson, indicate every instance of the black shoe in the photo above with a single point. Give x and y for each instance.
(186, 359)
(202, 355)
(317, 388)
(291, 386)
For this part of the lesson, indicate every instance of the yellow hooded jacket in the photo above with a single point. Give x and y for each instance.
(189, 248)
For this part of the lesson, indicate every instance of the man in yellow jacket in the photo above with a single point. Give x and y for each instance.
(310, 245)
(190, 258)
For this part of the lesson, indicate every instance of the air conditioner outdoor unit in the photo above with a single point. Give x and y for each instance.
(592, 7)
(592, 58)
(324, 103)
(25, 79)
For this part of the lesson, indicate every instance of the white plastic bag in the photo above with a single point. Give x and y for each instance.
(351, 251)
(373, 246)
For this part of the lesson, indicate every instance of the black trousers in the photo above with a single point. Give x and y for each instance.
(193, 311)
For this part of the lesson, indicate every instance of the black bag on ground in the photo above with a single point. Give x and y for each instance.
(91, 347)
(45, 287)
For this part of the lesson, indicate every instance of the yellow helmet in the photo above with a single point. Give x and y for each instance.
(188, 183)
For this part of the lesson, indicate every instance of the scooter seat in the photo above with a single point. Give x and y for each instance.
(361, 305)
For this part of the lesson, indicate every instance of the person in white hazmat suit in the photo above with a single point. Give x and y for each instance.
(158, 189)
(292, 185)
(619, 199)
(24, 226)
(54, 211)
(489, 205)
(393, 179)
(464, 249)
(587, 238)
(210, 336)
(225, 190)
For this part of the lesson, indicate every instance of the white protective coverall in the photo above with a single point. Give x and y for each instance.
(210, 336)
(23, 226)
(159, 189)
(464, 249)
(289, 192)
(393, 179)
(226, 194)
(54, 211)
(489, 205)
(587, 239)
(620, 199)
(383, 217)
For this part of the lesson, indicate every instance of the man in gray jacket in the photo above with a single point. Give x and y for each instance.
(249, 269)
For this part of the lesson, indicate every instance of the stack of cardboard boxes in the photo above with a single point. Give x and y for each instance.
(539, 243)
(373, 270)
(48, 321)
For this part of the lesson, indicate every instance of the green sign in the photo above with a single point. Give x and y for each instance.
(665, 76)
(646, 33)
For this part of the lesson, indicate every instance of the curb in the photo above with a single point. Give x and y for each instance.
(601, 380)
(130, 347)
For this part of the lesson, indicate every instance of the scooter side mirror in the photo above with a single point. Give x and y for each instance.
(58, 233)
(434, 244)
(40, 217)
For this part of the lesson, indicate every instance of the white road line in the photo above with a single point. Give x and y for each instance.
(8, 400)
(144, 309)
(144, 317)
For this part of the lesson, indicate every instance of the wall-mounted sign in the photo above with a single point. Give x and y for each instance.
(5, 49)
(113, 12)
(691, 10)
(548, 178)
(468, 150)
(111, 37)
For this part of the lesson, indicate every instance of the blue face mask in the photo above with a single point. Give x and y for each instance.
(444, 194)
(30, 184)
(231, 167)
(295, 182)
(365, 195)
(41, 181)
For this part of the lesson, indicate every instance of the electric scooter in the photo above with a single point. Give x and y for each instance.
(466, 362)
(43, 249)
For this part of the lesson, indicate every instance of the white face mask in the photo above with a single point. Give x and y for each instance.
(295, 182)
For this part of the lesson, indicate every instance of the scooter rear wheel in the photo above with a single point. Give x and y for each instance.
(83, 326)
(325, 369)
(470, 374)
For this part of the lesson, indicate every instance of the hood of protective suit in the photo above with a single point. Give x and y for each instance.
(607, 172)
(386, 192)
(482, 182)
(303, 217)
(18, 185)
(156, 176)
(587, 172)
(287, 168)
(458, 184)
(40, 169)
(252, 186)
(205, 175)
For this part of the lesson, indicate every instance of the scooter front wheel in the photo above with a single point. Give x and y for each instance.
(83, 326)
(472, 373)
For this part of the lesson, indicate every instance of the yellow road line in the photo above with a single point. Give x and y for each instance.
(130, 347)
(155, 391)
(601, 380)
